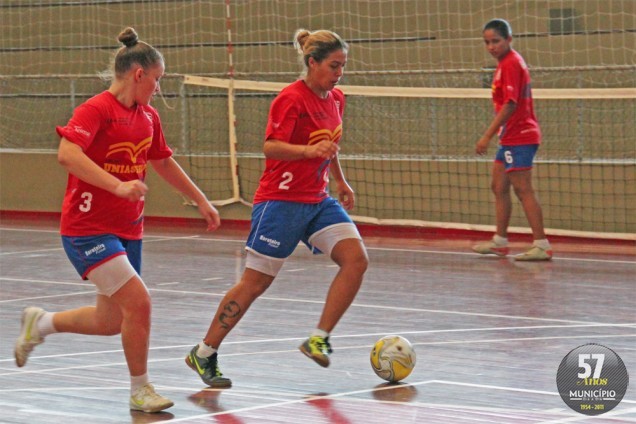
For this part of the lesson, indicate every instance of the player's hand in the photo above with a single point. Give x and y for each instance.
(132, 190)
(482, 146)
(210, 214)
(326, 149)
(346, 196)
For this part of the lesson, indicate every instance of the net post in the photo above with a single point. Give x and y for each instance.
(236, 189)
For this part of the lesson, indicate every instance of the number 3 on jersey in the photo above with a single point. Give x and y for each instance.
(88, 198)
(287, 177)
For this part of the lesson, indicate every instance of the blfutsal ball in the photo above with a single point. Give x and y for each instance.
(393, 358)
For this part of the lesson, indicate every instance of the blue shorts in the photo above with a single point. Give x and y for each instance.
(517, 158)
(278, 226)
(88, 252)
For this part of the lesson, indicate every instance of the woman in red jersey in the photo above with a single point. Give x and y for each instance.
(519, 139)
(291, 203)
(106, 148)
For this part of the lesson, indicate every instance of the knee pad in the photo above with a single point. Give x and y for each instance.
(328, 237)
(112, 275)
(261, 263)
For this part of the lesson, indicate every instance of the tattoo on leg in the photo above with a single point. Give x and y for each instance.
(230, 310)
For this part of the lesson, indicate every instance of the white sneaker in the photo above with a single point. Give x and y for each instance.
(147, 400)
(491, 248)
(535, 253)
(29, 334)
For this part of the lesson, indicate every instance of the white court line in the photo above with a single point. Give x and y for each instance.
(386, 249)
(270, 352)
(284, 403)
(441, 252)
(27, 280)
(351, 336)
(393, 308)
(53, 296)
(24, 252)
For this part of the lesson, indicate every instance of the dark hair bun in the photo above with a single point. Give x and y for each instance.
(128, 37)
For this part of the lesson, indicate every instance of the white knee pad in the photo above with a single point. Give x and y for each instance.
(328, 237)
(261, 263)
(112, 275)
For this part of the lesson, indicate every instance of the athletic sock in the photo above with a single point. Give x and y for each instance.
(138, 381)
(45, 324)
(500, 241)
(320, 333)
(205, 351)
(543, 244)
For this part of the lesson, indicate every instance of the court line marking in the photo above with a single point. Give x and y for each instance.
(29, 280)
(349, 336)
(302, 397)
(24, 252)
(481, 410)
(157, 238)
(320, 302)
(395, 308)
(51, 296)
(14, 372)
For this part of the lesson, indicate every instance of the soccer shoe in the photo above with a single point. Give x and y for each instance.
(318, 349)
(147, 400)
(491, 248)
(535, 253)
(208, 369)
(29, 334)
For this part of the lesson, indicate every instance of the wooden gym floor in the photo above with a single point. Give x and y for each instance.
(489, 333)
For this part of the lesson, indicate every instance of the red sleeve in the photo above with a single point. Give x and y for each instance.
(159, 149)
(283, 115)
(339, 97)
(511, 79)
(82, 127)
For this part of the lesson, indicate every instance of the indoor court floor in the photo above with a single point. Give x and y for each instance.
(489, 332)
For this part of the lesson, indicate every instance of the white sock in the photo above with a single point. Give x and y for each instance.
(138, 381)
(320, 333)
(500, 241)
(543, 244)
(205, 351)
(45, 324)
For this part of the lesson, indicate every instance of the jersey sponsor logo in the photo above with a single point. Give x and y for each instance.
(133, 150)
(325, 134)
(119, 120)
(116, 168)
(82, 131)
(270, 242)
(319, 115)
(97, 249)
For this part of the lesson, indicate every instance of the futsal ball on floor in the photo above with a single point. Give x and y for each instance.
(392, 358)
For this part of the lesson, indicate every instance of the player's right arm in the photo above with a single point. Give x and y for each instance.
(280, 150)
(72, 157)
(501, 118)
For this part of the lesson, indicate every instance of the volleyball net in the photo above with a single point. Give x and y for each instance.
(409, 154)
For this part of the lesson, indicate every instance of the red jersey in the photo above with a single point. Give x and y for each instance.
(512, 84)
(299, 116)
(120, 140)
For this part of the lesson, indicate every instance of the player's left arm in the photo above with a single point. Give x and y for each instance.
(346, 195)
(173, 174)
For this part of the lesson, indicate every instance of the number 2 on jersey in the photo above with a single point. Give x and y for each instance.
(287, 177)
